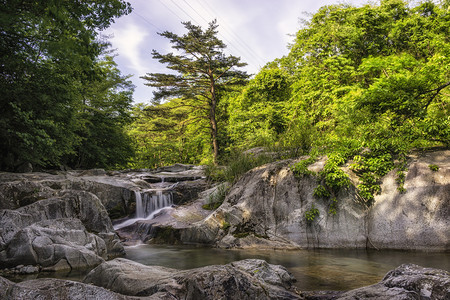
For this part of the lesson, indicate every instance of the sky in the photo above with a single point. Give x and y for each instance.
(258, 31)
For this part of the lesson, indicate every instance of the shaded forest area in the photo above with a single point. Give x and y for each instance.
(366, 84)
(63, 101)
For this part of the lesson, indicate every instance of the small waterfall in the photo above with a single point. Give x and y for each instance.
(148, 204)
(139, 206)
(156, 200)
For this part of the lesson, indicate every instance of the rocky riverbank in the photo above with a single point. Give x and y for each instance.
(266, 209)
(247, 279)
(61, 221)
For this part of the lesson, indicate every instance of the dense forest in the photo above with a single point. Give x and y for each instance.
(365, 84)
(63, 100)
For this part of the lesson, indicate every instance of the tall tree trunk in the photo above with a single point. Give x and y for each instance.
(212, 119)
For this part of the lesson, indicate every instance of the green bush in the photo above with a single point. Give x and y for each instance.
(312, 214)
(300, 169)
(433, 168)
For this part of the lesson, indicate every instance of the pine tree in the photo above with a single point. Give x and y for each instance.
(202, 69)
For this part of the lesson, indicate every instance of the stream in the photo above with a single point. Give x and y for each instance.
(313, 269)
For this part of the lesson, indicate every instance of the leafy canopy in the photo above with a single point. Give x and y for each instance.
(49, 52)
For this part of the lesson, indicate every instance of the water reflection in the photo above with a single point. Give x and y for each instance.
(314, 269)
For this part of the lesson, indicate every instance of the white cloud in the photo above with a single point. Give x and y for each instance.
(128, 40)
(256, 30)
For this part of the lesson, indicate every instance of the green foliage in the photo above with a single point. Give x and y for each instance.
(225, 226)
(102, 118)
(215, 173)
(433, 168)
(401, 169)
(300, 169)
(333, 207)
(400, 179)
(371, 167)
(321, 192)
(165, 134)
(49, 51)
(241, 235)
(311, 214)
(216, 198)
(202, 72)
(366, 83)
(332, 179)
(258, 115)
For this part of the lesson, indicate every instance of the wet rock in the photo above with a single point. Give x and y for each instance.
(114, 189)
(70, 204)
(247, 279)
(5, 285)
(406, 282)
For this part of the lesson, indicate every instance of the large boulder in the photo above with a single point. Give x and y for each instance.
(65, 232)
(55, 289)
(247, 279)
(54, 245)
(267, 206)
(406, 282)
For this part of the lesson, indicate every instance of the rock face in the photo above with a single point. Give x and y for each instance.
(247, 279)
(66, 232)
(114, 189)
(266, 208)
(406, 282)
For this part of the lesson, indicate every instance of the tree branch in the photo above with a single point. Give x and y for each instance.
(436, 90)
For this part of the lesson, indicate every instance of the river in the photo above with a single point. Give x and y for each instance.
(313, 269)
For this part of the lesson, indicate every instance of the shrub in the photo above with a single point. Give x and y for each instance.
(433, 168)
(310, 215)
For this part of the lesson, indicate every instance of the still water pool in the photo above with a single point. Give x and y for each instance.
(313, 269)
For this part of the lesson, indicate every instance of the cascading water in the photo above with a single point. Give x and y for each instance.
(153, 201)
(139, 206)
(148, 204)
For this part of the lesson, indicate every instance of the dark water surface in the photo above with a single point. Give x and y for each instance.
(313, 269)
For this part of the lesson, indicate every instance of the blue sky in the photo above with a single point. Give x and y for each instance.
(258, 31)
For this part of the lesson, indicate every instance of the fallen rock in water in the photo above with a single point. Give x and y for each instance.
(55, 289)
(408, 281)
(246, 279)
